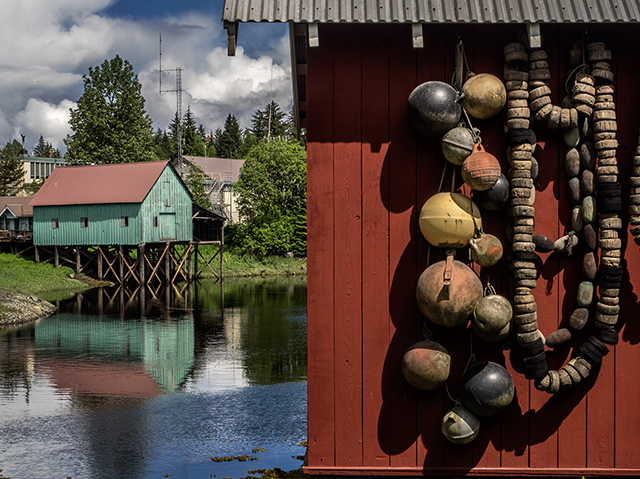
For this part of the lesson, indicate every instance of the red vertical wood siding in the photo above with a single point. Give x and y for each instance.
(369, 173)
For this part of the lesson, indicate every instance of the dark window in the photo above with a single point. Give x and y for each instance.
(124, 221)
(84, 222)
(155, 221)
(54, 223)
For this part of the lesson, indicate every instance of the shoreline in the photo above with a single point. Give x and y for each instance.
(21, 308)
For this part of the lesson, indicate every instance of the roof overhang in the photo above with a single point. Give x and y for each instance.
(417, 12)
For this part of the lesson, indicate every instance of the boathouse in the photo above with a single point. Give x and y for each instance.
(114, 204)
(105, 212)
(369, 174)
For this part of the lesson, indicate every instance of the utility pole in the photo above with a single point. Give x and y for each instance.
(178, 91)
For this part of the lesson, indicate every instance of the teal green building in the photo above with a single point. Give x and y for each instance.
(114, 204)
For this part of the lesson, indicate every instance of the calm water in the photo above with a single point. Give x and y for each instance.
(119, 386)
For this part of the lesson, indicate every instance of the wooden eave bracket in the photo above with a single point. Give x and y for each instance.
(232, 37)
(533, 32)
(314, 38)
(416, 34)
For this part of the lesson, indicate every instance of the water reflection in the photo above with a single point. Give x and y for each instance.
(119, 385)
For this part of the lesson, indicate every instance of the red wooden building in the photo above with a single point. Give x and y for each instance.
(369, 173)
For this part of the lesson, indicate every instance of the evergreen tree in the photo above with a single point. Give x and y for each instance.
(192, 139)
(11, 169)
(44, 149)
(110, 124)
(229, 141)
(269, 123)
(164, 146)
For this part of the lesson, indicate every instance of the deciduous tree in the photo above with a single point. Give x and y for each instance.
(272, 199)
(110, 124)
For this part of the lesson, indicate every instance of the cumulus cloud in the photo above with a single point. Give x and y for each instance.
(42, 118)
(41, 73)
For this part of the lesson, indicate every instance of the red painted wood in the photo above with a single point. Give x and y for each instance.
(432, 405)
(402, 257)
(369, 174)
(347, 238)
(320, 302)
(626, 357)
(375, 249)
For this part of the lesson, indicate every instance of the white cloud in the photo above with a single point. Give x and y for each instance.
(41, 72)
(42, 118)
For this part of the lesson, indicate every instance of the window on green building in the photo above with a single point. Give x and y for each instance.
(84, 222)
(54, 223)
(124, 221)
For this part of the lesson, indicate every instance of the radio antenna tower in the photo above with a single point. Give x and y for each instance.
(178, 91)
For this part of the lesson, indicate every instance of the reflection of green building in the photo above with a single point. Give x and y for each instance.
(165, 348)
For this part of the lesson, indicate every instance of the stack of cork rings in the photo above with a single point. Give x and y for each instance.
(587, 118)
(634, 198)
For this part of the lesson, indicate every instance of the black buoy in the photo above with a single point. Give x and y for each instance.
(486, 389)
(496, 197)
(433, 108)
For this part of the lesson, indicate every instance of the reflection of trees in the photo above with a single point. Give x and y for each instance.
(273, 329)
(17, 352)
(264, 318)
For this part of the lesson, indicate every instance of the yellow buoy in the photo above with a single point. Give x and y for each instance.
(449, 220)
(484, 95)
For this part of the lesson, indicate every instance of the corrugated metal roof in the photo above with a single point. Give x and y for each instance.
(115, 183)
(18, 205)
(438, 11)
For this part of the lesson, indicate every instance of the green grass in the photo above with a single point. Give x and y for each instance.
(236, 265)
(21, 275)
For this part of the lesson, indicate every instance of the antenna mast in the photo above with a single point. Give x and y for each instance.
(178, 91)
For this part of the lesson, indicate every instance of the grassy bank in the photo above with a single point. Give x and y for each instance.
(244, 266)
(43, 280)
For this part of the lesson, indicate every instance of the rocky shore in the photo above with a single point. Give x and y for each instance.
(18, 308)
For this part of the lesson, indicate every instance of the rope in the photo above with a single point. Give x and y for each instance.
(458, 73)
(455, 401)
(453, 180)
(444, 170)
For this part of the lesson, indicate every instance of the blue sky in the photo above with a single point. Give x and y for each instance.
(49, 45)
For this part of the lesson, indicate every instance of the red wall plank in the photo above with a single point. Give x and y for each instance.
(347, 182)
(402, 257)
(626, 355)
(375, 246)
(320, 303)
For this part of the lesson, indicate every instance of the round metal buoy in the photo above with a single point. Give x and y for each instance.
(492, 337)
(448, 291)
(457, 144)
(449, 220)
(486, 250)
(481, 170)
(434, 108)
(426, 365)
(486, 389)
(492, 313)
(496, 197)
(460, 426)
(484, 95)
